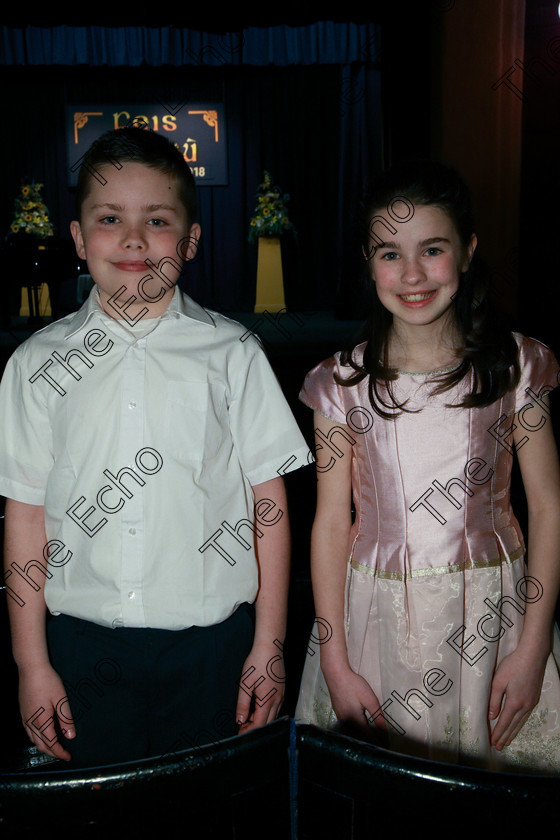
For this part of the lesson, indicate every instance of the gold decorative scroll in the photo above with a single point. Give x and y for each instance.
(81, 118)
(210, 117)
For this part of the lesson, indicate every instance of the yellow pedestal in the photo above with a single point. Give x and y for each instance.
(270, 284)
(44, 301)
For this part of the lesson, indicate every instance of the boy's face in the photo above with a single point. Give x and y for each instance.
(136, 215)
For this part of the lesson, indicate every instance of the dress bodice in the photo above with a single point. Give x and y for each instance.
(431, 487)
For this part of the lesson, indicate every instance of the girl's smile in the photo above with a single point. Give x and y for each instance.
(418, 299)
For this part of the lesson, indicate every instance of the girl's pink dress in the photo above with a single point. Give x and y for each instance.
(436, 585)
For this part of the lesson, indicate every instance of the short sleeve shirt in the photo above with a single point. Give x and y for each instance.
(143, 444)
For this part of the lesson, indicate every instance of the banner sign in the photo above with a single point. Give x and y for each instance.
(198, 130)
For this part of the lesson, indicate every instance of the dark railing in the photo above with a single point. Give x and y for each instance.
(349, 790)
(280, 781)
(236, 788)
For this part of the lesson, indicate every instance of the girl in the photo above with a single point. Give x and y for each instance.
(436, 638)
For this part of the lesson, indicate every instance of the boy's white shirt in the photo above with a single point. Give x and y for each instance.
(192, 408)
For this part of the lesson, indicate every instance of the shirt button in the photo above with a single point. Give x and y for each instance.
(132, 404)
(132, 531)
(131, 595)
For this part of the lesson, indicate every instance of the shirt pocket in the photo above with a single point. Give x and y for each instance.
(194, 420)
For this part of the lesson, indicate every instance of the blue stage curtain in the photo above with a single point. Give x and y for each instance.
(319, 132)
(325, 42)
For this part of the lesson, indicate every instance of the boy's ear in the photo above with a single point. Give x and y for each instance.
(187, 248)
(193, 239)
(76, 232)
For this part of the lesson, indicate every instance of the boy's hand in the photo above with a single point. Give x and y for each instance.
(261, 687)
(42, 702)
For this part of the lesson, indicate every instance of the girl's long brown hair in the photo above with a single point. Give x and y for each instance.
(487, 347)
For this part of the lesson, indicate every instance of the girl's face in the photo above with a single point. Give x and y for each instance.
(416, 270)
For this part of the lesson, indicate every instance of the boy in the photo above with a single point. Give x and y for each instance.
(141, 437)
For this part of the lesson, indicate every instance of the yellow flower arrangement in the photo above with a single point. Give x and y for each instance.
(30, 213)
(271, 216)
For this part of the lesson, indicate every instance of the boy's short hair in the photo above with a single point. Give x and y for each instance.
(137, 145)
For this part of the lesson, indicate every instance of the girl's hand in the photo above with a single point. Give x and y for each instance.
(42, 701)
(261, 686)
(516, 689)
(352, 697)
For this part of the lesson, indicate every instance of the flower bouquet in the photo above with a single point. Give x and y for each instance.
(30, 213)
(271, 216)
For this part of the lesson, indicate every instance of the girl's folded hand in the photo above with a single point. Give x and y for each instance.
(516, 688)
(353, 700)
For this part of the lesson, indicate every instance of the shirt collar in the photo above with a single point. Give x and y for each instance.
(181, 305)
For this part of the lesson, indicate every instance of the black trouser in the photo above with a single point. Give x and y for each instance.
(140, 692)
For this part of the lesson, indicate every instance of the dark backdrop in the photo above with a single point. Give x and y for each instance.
(321, 113)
